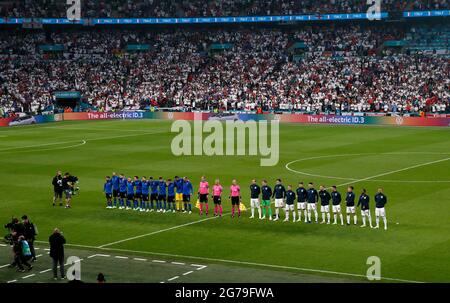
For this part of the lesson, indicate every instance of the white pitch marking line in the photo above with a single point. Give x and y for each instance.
(3, 245)
(396, 171)
(47, 249)
(93, 256)
(157, 232)
(38, 256)
(105, 256)
(12, 281)
(29, 276)
(178, 263)
(159, 261)
(357, 180)
(255, 264)
(174, 278)
(140, 259)
(188, 273)
(4, 265)
(45, 144)
(83, 142)
(44, 271)
(120, 257)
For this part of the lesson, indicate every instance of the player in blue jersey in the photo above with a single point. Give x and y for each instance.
(115, 184)
(130, 193)
(122, 191)
(153, 194)
(145, 194)
(179, 193)
(138, 194)
(162, 195)
(188, 189)
(108, 189)
(170, 195)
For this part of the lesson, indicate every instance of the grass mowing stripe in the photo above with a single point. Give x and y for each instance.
(157, 232)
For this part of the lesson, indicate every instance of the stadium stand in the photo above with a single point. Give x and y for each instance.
(320, 68)
(200, 8)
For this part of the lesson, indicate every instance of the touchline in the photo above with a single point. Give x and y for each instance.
(206, 138)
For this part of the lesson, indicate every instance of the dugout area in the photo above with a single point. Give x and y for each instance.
(133, 268)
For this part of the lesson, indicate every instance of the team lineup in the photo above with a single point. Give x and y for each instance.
(148, 195)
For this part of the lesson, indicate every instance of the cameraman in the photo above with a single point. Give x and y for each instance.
(17, 230)
(30, 235)
(57, 188)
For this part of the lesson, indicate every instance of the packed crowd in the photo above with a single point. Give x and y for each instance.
(197, 8)
(340, 69)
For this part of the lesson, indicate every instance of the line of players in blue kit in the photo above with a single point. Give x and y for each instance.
(142, 194)
(171, 196)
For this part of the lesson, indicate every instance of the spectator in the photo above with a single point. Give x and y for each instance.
(101, 278)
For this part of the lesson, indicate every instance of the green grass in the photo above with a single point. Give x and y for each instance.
(417, 248)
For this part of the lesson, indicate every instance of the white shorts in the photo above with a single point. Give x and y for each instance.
(336, 208)
(350, 210)
(279, 203)
(365, 213)
(301, 205)
(290, 207)
(325, 209)
(254, 203)
(380, 212)
(312, 206)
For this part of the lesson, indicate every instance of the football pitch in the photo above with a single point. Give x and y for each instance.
(411, 164)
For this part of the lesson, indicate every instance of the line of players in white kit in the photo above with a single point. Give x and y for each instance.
(307, 200)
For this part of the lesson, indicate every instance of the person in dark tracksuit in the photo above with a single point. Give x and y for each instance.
(57, 242)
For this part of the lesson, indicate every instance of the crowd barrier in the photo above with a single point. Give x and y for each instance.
(288, 118)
